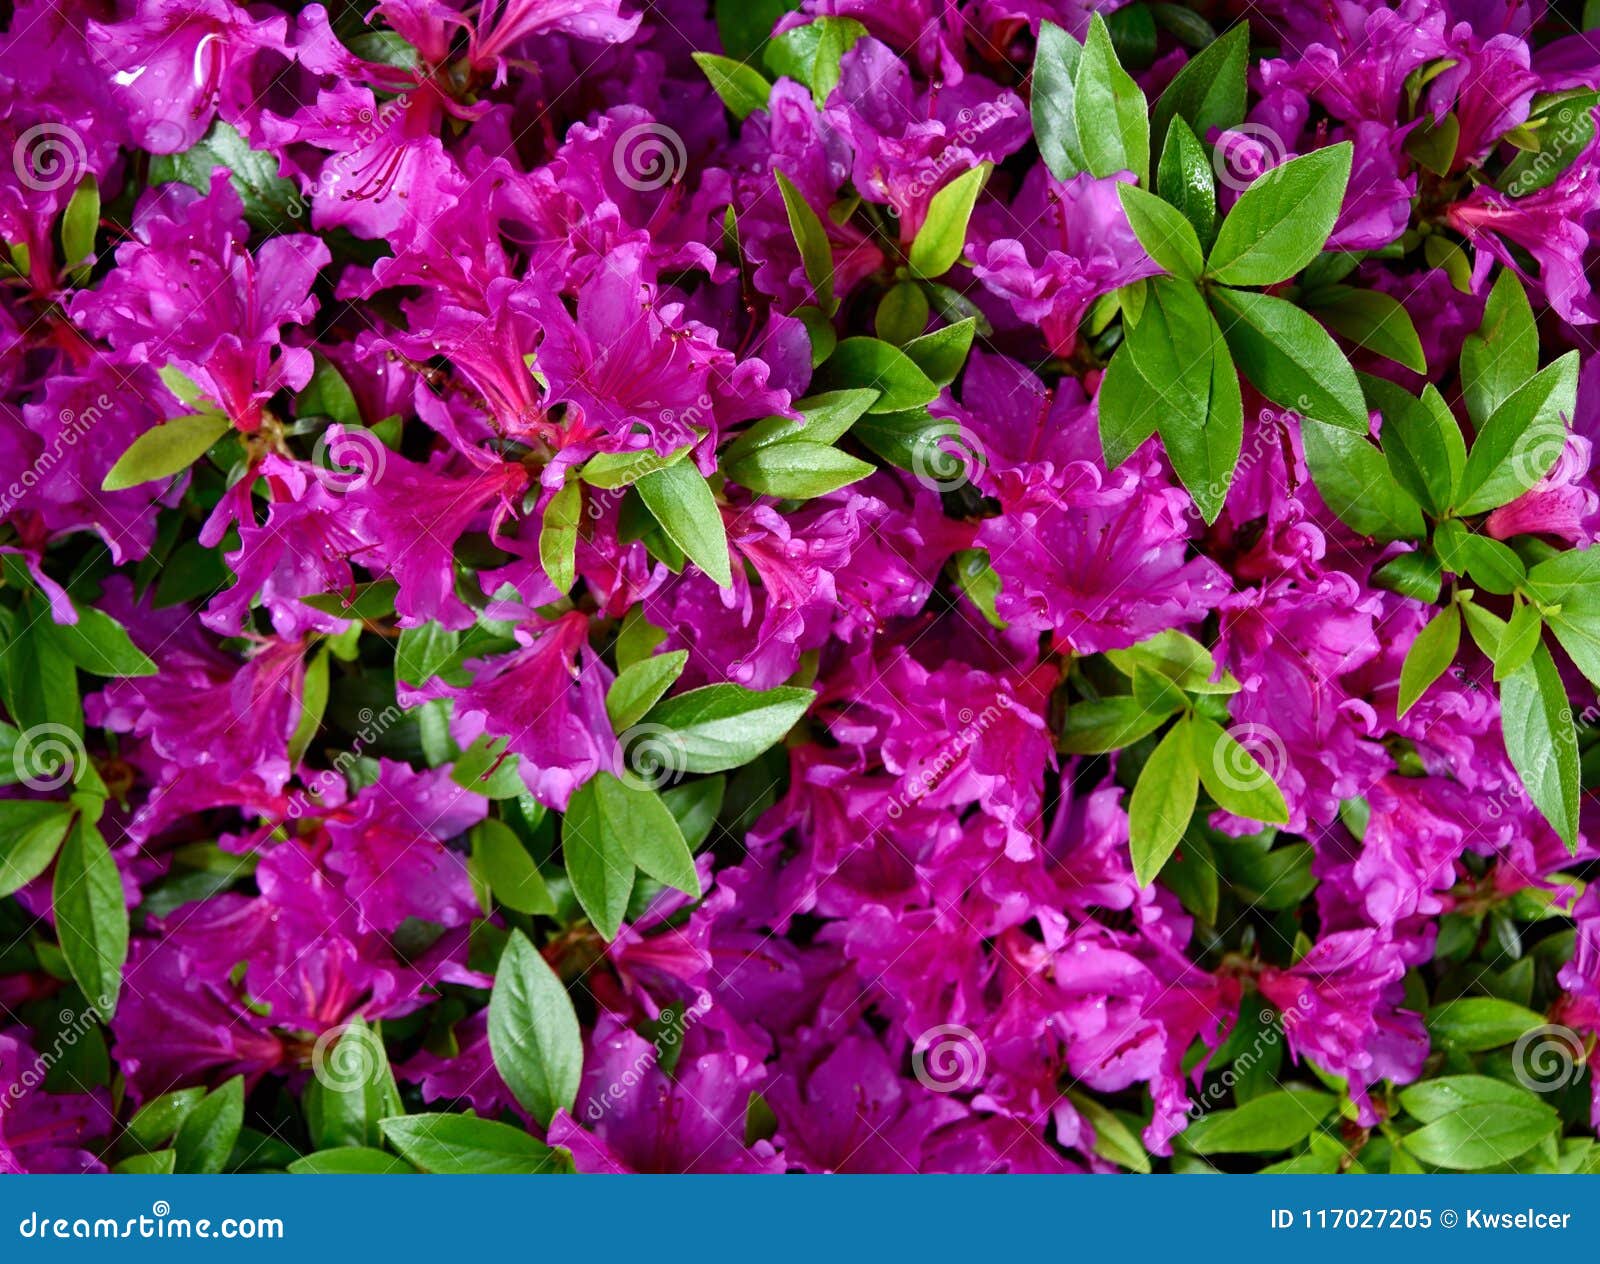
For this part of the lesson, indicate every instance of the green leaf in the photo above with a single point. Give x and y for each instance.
(1521, 637)
(1281, 221)
(533, 1032)
(742, 87)
(351, 1161)
(313, 703)
(1098, 725)
(837, 37)
(80, 223)
(1209, 92)
(939, 242)
(1474, 1122)
(1566, 128)
(503, 862)
(374, 600)
(1162, 802)
(352, 1087)
(823, 420)
(485, 768)
(1055, 119)
(1373, 321)
(816, 254)
(623, 469)
(744, 26)
(558, 536)
(601, 874)
(156, 1163)
(1422, 441)
(1114, 1141)
(1504, 353)
(681, 500)
(1522, 439)
(206, 1136)
(694, 806)
(91, 916)
(1290, 358)
(327, 394)
(424, 652)
(31, 832)
(871, 362)
(719, 727)
(42, 689)
(647, 833)
(1166, 235)
(461, 1145)
(167, 449)
(1541, 742)
(639, 686)
(99, 644)
(903, 313)
(1128, 407)
(1233, 777)
(1185, 179)
(1103, 91)
(1263, 1125)
(1205, 461)
(797, 470)
(1178, 657)
(1476, 1023)
(158, 1119)
(270, 202)
(1430, 655)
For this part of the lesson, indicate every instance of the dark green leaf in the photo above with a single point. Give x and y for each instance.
(558, 536)
(31, 832)
(91, 916)
(99, 644)
(1541, 742)
(1095, 726)
(600, 871)
(351, 1161)
(503, 862)
(871, 362)
(1209, 91)
(1504, 353)
(206, 1136)
(1374, 321)
(1290, 358)
(424, 652)
(639, 686)
(823, 419)
(816, 254)
(1475, 1023)
(1185, 179)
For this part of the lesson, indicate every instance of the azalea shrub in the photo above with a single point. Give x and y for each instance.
(775, 586)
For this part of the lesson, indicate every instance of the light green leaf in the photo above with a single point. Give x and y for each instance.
(99, 644)
(939, 242)
(1103, 91)
(798, 470)
(558, 536)
(816, 254)
(1473, 1024)
(31, 832)
(1504, 352)
(719, 727)
(1374, 321)
(1536, 719)
(91, 915)
(1165, 234)
(1522, 439)
(874, 364)
(1162, 802)
(639, 686)
(1430, 655)
(1281, 221)
(1233, 777)
(168, 449)
(1055, 119)
(742, 87)
(462, 1145)
(1263, 1125)
(601, 873)
(533, 1032)
(206, 1137)
(682, 503)
(503, 862)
